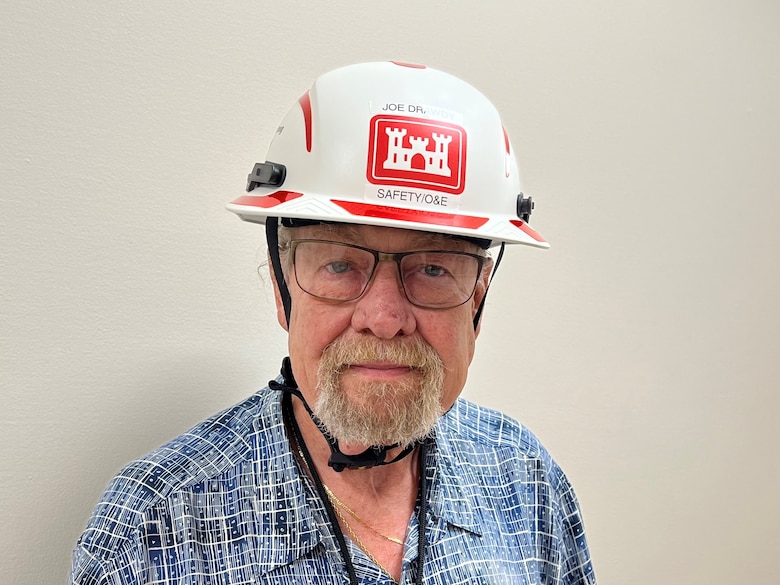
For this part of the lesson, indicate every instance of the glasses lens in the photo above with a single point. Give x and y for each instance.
(332, 271)
(439, 279)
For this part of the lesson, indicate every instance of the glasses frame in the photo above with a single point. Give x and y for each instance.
(388, 256)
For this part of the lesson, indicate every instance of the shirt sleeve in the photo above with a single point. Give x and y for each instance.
(576, 567)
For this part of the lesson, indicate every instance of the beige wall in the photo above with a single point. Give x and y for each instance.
(642, 348)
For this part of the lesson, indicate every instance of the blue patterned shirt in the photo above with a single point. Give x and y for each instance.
(227, 503)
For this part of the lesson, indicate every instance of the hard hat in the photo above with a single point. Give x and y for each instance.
(398, 145)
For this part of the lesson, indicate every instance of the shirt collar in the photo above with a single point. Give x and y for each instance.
(454, 491)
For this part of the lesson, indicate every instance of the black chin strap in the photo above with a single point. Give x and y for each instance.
(339, 461)
(272, 239)
(478, 314)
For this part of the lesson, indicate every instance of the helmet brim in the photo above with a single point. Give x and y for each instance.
(256, 208)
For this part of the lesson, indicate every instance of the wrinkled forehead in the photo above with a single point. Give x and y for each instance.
(382, 238)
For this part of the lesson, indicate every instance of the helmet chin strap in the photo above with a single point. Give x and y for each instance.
(339, 461)
(272, 239)
(478, 314)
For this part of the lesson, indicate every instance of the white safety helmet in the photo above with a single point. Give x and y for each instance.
(398, 145)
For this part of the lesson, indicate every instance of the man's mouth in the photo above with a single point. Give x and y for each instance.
(383, 370)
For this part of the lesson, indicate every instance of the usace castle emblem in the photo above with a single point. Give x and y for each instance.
(428, 161)
(414, 152)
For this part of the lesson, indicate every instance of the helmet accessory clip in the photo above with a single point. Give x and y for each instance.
(266, 173)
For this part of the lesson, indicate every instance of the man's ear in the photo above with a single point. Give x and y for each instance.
(280, 316)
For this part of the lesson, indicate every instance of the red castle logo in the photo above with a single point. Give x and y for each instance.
(413, 152)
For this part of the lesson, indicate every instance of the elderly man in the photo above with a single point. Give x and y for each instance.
(382, 193)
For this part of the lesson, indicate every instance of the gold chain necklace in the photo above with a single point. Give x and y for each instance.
(351, 512)
(359, 542)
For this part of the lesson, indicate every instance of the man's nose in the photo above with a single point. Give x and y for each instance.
(384, 309)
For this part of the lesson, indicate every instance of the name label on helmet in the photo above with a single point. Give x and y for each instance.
(424, 154)
(425, 111)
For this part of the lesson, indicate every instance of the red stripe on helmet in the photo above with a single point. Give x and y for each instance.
(507, 159)
(305, 101)
(412, 65)
(411, 215)
(267, 201)
(525, 228)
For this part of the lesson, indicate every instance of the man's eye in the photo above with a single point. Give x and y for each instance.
(433, 270)
(337, 267)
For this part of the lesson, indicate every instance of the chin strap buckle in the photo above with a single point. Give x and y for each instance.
(371, 457)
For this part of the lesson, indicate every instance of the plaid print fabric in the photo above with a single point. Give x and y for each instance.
(225, 503)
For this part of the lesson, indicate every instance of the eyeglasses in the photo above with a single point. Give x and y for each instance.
(436, 279)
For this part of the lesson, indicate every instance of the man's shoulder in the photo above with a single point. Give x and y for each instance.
(205, 450)
(471, 422)
(213, 450)
(484, 438)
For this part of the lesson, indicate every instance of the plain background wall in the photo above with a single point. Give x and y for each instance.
(643, 348)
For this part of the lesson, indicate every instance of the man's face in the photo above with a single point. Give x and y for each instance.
(378, 370)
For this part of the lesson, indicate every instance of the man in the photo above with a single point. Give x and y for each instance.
(382, 192)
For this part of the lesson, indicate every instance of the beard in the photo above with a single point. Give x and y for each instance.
(380, 413)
